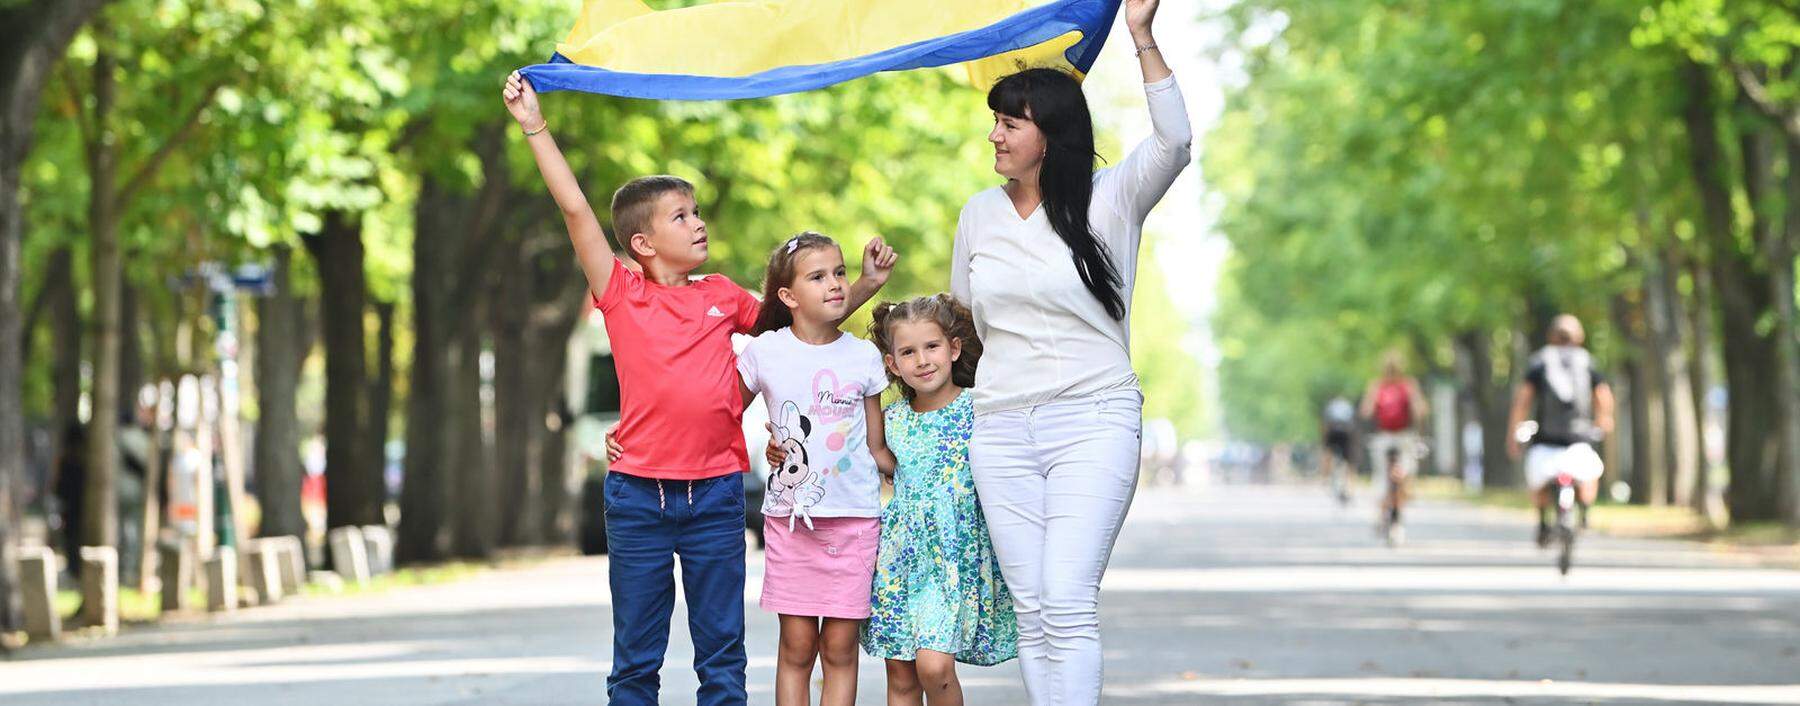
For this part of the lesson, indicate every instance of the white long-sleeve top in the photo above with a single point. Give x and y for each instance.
(1045, 337)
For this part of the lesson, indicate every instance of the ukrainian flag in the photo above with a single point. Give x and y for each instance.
(755, 48)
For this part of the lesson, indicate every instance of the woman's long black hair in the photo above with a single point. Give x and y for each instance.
(1054, 102)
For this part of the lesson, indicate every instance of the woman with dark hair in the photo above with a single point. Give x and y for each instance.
(1046, 263)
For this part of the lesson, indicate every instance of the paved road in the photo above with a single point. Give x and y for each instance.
(1220, 595)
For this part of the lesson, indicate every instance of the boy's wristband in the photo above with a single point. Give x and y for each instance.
(541, 128)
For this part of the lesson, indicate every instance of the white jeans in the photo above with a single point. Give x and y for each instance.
(1055, 481)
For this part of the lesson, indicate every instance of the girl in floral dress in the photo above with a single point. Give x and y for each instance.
(938, 596)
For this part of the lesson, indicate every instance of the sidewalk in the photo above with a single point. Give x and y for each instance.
(1219, 595)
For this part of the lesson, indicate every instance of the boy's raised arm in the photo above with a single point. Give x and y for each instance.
(591, 250)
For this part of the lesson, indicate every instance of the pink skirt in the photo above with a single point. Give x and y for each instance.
(824, 572)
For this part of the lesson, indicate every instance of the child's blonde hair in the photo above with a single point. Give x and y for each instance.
(774, 313)
(950, 316)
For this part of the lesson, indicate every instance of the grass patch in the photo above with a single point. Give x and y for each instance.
(1610, 517)
(138, 607)
(1753, 534)
(1446, 488)
(404, 577)
(134, 606)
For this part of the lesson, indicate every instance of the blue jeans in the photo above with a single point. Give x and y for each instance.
(648, 524)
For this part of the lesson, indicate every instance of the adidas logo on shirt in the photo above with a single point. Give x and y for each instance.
(715, 313)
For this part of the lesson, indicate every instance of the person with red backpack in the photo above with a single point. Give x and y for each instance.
(1395, 405)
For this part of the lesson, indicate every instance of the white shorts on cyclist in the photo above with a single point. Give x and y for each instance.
(1543, 462)
(1406, 442)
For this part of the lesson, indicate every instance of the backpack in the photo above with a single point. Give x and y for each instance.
(1393, 407)
(1565, 407)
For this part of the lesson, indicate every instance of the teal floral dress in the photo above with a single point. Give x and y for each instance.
(937, 583)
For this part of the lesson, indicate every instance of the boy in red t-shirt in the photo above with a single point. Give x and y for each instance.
(678, 489)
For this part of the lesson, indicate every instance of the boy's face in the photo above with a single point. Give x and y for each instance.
(819, 287)
(677, 235)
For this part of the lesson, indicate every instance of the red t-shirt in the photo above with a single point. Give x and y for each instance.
(681, 415)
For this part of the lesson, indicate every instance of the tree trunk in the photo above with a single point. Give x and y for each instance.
(33, 35)
(100, 518)
(443, 430)
(1494, 405)
(1700, 323)
(150, 521)
(1780, 250)
(424, 492)
(381, 397)
(425, 488)
(1752, 359)
(65, 343)
(1751, 440)
(131, 351)
(556, 515)
(1669, 335)
(477, 505)
(515, 403)
(279, 355)
(444, 403)
(352, 489)
(552, 323)
(557, 523)
(1647, 470)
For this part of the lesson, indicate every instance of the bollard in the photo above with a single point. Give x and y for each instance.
(38, 564)
(263, 570)
(349, 555)
(221, 581)
(176, 569)
(378, 544)
(100, 588)
(291, 558)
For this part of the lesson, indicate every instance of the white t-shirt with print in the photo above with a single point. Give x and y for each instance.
(815, 397)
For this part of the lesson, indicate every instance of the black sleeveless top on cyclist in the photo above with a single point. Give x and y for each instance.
(1548, 407)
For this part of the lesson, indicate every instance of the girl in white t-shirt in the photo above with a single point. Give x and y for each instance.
(823, 506)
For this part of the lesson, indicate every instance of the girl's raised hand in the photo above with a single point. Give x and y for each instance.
(521, 100)
(1138, 15)
(878, 260)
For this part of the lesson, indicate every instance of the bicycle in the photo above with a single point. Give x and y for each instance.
(1567, 525)
(1337, 464)
(1340, 482)
(1395, 494)
(1337, 477)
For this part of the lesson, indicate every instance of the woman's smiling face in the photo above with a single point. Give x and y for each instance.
(1018, 145)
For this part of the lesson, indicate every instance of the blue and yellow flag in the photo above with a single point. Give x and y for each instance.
(756, 48)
